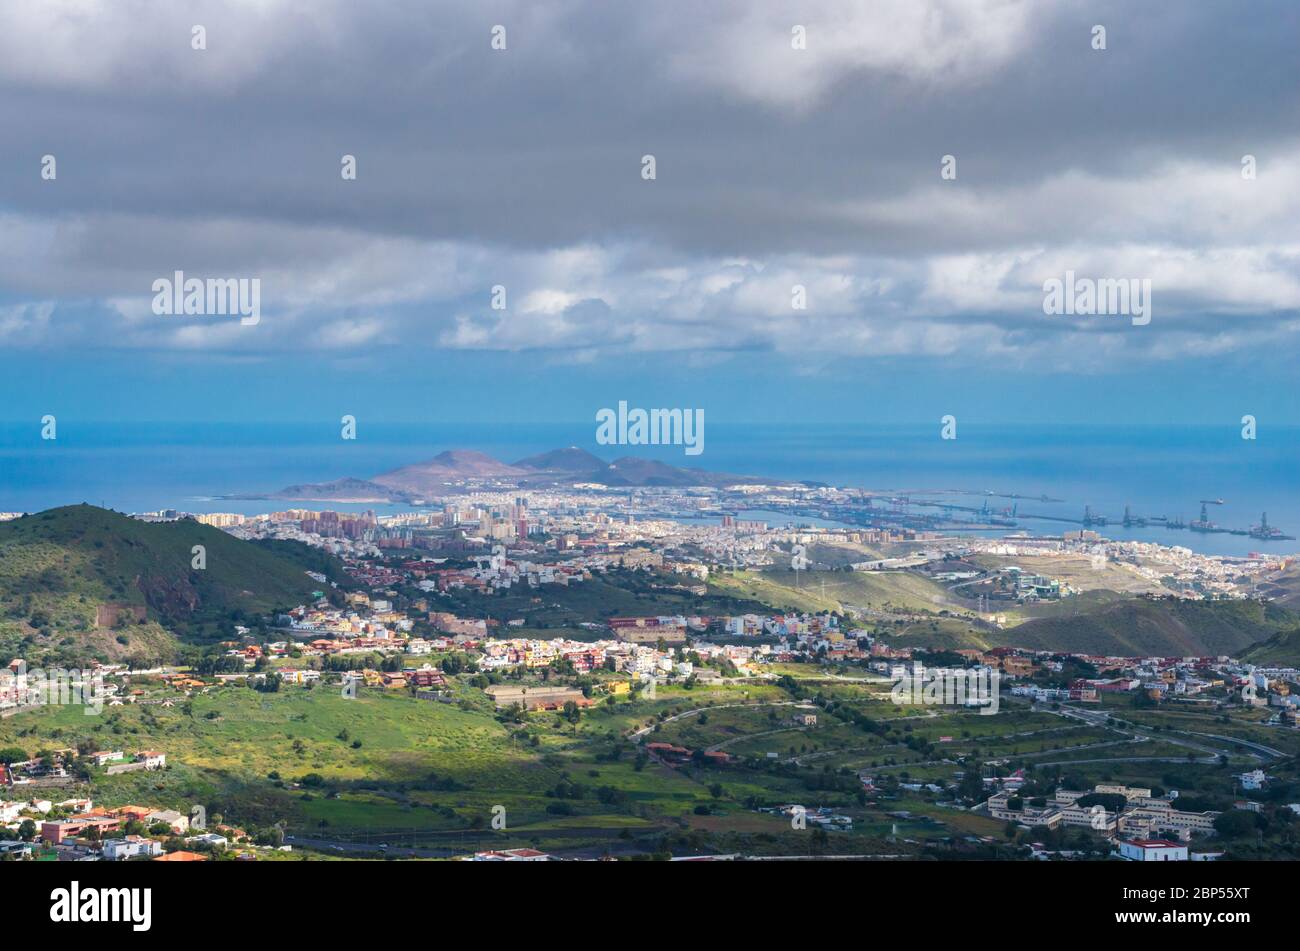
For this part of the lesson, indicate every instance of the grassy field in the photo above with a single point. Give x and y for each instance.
(896, 591)
(387, 767)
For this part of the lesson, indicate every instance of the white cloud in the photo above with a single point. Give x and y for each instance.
(521, 169)
(745, 47)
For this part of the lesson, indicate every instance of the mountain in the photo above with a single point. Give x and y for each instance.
(455, 465)
(556, 467)
(1284, 588)
(630, 470)
(572, 459)
(340, 490)
(80, 582)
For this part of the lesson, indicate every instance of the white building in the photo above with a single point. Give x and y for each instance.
(10, 810)
(1152, 850)
(512, 855)
(1252, 780)
(178, 822)
(128, 848)
(208, 838)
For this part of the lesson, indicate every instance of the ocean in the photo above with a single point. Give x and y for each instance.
(1156, 471)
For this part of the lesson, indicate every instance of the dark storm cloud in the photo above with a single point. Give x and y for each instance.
(775, 166)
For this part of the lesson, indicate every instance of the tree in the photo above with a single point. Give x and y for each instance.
(1111, 802)
(269, 684)
(1236, 823)
(571, 712)
(971, 786)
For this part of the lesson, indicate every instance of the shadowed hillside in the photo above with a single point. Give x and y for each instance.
(1281, 650)
(82, 580)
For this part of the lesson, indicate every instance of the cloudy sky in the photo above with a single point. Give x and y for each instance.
(774, 167)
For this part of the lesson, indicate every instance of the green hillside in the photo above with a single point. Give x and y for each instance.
(80, 581)
(618, 592)
(1160, 627)
(1098, 621)
(1282, 650)
(902, 591)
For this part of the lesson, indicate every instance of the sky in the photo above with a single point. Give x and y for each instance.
(774, 167)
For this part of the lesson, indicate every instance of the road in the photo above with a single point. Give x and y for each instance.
(1175, 737)
(1257, 747)
(344, 847)
(1205, 760)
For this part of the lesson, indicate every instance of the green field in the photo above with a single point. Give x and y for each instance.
(388, 767)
